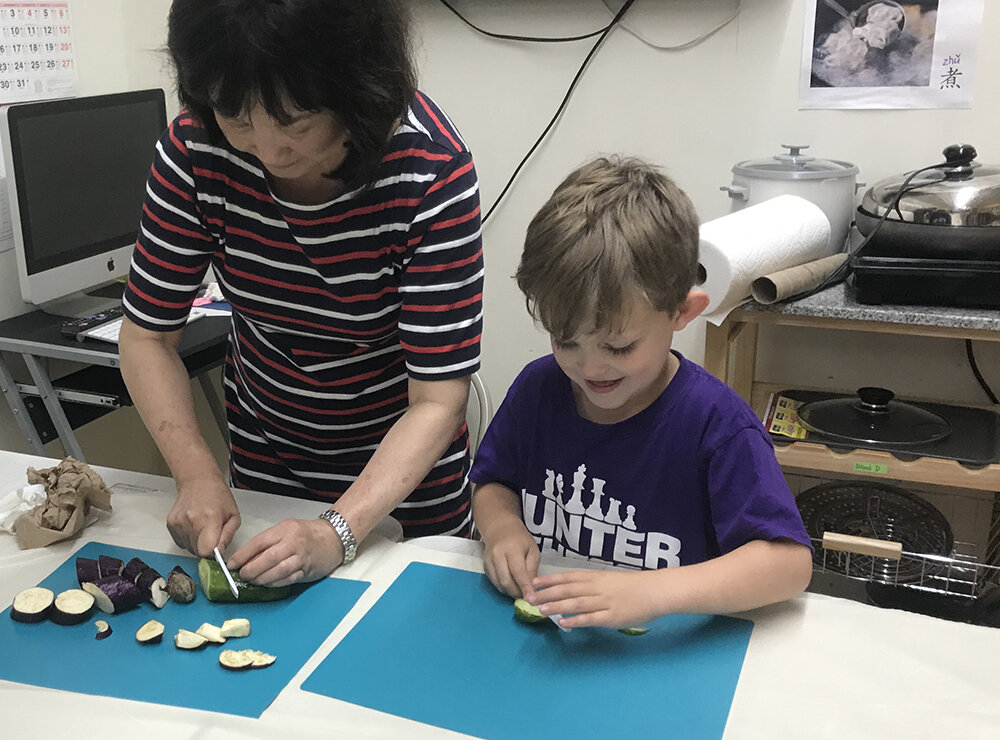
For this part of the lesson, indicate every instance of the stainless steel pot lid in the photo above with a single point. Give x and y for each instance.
(873, 417)
(794, 165)
(965, 193)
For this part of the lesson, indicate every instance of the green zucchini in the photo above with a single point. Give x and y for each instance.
(216, 588)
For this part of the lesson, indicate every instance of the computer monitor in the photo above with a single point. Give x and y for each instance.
(76, 179)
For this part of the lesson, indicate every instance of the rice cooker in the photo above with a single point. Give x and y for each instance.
(829, 183)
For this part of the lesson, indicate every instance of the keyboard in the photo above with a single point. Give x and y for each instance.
(108, 330)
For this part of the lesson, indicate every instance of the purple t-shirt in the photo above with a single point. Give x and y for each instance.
(689, 478)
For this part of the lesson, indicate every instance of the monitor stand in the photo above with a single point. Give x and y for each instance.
(86, 303)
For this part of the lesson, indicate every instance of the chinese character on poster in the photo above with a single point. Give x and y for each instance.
(885, 54)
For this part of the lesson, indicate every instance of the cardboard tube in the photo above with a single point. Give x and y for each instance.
(794, 280)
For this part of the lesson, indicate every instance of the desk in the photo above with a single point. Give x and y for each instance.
(816, 667)
(98, 388)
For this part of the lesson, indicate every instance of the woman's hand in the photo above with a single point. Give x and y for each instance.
(204, 516)
(291, 551)
(597, 598)
(511, 558)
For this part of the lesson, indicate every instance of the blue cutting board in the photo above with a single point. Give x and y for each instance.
(442, 647)
(69, 658)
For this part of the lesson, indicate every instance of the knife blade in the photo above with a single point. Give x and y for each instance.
(555, 620)
(225, 571)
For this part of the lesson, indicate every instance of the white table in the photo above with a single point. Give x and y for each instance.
(816, 667)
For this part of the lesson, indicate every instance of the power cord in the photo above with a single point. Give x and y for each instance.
(515, 37)
(844, 270)
(687, 44)
(562, 106)
(979, 376)
(602, 34)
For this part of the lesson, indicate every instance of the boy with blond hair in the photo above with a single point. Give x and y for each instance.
(615, 447)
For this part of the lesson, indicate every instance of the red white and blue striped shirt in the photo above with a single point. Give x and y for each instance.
(334, 305)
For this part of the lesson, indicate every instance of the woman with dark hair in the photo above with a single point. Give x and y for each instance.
(339, 209)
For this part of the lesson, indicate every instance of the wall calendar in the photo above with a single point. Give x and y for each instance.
(37, 59)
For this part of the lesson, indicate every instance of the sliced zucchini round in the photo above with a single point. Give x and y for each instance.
(634, 630)
(525, 612)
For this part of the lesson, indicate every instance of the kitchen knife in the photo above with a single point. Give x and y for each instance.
(555, 620)
(225, 571)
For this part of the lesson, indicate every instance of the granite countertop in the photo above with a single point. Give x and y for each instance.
(838, 302)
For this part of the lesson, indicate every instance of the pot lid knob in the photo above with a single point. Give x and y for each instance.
(875, 400)
(959, 158)
(794, 156)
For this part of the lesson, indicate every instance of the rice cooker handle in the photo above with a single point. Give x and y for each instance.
(737, 192)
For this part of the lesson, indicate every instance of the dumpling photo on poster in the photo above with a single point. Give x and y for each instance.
(889, 54)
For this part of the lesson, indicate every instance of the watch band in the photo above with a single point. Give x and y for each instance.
(343, 530)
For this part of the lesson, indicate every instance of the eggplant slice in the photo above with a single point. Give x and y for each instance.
(113, 594)
(72, 607)
(32, 605)
(150, 633)
(87, 570)
(103, 629)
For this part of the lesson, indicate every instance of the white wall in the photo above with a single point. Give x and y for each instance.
(696, 112)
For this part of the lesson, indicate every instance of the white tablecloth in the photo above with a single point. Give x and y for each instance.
(816, 667)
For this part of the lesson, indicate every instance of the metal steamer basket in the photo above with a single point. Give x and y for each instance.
(899, 551)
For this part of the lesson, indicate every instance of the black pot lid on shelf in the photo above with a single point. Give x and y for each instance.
(873, 417)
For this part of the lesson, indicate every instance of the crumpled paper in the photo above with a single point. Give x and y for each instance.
(71, 489)
(15, 503)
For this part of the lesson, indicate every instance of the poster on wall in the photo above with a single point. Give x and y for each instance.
(885, 54)
(37, 59)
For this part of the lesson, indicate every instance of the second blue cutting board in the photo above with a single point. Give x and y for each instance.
(441, 647)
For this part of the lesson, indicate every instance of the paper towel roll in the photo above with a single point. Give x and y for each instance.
(738, 248)
(793, 280)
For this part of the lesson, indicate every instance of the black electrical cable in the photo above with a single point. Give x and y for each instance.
(514, 37)
(562, 106)
(842, 272)
(979, 376)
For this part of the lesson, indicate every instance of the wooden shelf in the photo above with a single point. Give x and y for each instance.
(731, 355)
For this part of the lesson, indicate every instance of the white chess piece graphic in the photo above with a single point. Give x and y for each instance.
(629, 522)
(559, 488)
(594, 511)
(614, 517)
(575, 504)
(549, 490)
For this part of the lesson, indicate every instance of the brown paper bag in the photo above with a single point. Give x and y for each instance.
(71, 488)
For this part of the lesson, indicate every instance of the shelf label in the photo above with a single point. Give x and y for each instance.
(868, 467)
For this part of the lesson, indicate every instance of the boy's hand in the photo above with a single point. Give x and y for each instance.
(596, 598)
(511, 559)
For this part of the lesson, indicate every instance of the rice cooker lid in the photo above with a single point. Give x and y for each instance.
(872, 416)
(793, 165)
(965, 193)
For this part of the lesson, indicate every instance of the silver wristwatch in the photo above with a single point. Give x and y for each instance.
(343, 530)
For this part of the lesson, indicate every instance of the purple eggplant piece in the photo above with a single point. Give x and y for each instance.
(87, 570)
(114, 594)
(72, 607)
(103, 630)
(153, 587)
(133, 569)
(32, 605)
(109, 566)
